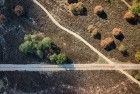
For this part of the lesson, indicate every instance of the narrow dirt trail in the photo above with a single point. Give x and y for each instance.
(83, 40)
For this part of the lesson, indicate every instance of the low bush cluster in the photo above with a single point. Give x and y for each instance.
(41, 46)
(35, 44)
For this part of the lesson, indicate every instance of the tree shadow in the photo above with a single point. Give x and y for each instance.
(103, 15)
(111, 47)
(98, 36)
(133, 22)
(72, 1)
(125, 54)
(120, 37)
(84, 12)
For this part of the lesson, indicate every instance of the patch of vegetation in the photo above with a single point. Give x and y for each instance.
(77, 8)
(136, 7)
(58, 58)
(43, 47)
(137, 56)
(35, 44)
(122, 48)
(137, 76)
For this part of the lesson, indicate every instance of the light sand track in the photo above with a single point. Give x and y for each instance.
(83, 40)
(40, 67)
(64, 67)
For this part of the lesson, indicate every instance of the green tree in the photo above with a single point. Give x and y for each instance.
(26, 47)
(59, 59)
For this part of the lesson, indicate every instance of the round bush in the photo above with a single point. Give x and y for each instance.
(59, 59)
(122, 48)
(95, 32)
(77, 8)
(106, 42)
(90, 28)
(129, 16)
(116, 32)
(98, 10)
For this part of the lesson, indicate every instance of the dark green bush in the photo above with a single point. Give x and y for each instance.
(34, 44)
(40, 45)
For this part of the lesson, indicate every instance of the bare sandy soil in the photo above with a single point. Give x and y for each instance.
(68, 82)
(115, 12)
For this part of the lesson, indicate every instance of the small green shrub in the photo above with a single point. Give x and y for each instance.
(135, 9)
(59, 59)
(123, 48)
(137, 56)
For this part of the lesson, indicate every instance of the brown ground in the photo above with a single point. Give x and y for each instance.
(68, 82)
(129, 1)
(73, 48)
(115, 12)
